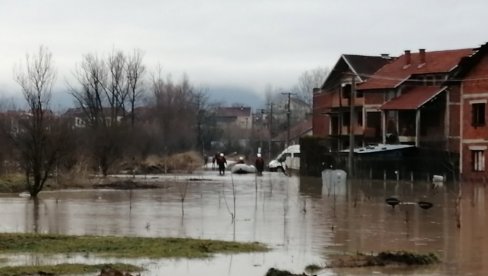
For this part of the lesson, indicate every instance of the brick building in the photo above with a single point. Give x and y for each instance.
(434, 100)
(331, 102)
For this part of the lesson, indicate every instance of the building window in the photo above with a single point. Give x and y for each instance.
(346, 119)
(478, 116)
(346, 91)
(359, 117)
(478, 160)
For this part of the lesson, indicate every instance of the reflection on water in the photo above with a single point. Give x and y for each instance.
(301, 221)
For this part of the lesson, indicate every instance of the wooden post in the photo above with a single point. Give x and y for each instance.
(351, 127)
(383, 126)
(417, 127)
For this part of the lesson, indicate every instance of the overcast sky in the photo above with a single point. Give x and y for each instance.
(233, 43)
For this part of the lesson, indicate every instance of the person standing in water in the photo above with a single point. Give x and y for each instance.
(259, 163)
(221, 162)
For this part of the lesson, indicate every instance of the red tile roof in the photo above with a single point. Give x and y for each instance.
(414, 98)
(394, 73)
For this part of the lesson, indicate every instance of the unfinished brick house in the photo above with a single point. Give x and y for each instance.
(433, 100)
(332, 101)
(469, 84)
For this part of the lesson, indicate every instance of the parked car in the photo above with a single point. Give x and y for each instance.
(287, 159)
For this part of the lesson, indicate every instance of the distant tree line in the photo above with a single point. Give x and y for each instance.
(128, 113)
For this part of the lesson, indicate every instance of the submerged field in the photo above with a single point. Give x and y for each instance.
(122, 247)
(110, 246)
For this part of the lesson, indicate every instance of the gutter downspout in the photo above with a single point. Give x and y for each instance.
(417, 127)
(383, 126)
(461, 127)
(447, 115)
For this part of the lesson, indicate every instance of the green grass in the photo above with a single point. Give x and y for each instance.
(383, 258)
(311, 268)
(121, 247)
(63, 269)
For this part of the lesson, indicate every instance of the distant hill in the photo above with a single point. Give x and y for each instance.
(229, 95)
(226, 95)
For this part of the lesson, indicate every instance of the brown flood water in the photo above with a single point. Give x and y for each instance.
(296, 217)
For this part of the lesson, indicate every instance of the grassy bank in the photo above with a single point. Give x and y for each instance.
(122, 247)
(64, 269)
(385, 258)
(12, 183)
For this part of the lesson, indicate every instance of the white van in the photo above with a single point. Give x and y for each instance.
(287, 159)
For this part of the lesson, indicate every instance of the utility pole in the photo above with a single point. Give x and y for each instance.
(352, 97)
(270, 129)
(288, 113)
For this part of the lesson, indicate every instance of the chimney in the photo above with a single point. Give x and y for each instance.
(385, 56)
(422, 56)
(408, 58)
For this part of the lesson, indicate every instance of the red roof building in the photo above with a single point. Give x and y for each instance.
(433, 100)
(409, 65)
(330, 102)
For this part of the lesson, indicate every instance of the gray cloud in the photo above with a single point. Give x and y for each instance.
(234, 43)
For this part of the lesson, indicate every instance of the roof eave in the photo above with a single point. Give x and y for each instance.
(352, 68)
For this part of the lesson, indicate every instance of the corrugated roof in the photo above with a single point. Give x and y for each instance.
(394, 73)
(414, 98)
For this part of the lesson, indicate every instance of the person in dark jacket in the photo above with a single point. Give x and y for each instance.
(259, 163)
(221, 162)
(214, 160)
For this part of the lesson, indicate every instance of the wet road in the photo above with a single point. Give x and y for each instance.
(300, 220)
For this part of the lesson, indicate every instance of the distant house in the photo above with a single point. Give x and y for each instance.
(11, 120)
(15, 121)
(76, 117)
(236, 124)
(300, 129)
(79, 119)
(299, 110)
(234, 117)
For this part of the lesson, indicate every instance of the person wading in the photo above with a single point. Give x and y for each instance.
(259, 163)
(221, 162)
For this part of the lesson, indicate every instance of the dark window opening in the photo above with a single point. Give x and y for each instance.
(346, 91)
(478, 114)
(345, 119)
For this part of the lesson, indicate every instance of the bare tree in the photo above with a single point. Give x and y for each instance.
(101, 95)
(39, 141)
(309, 80)
(176, 112)
(89, 97)
(135, 73)
(116, 90)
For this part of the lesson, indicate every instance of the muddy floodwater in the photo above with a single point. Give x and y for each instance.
(302, 222)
